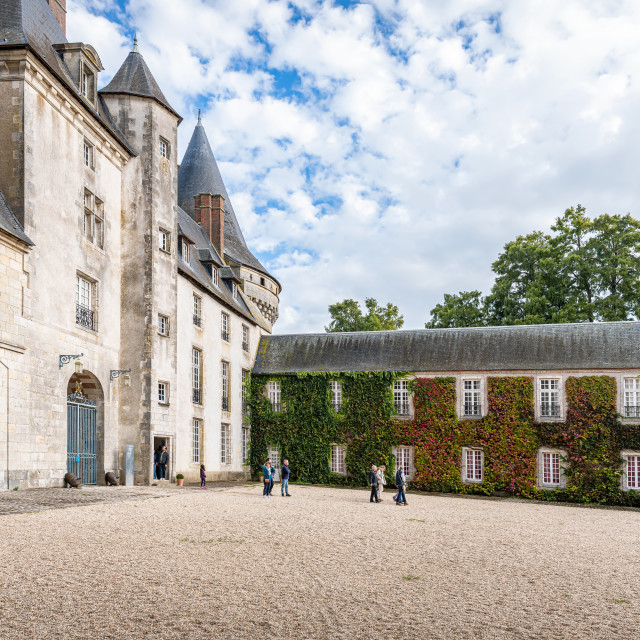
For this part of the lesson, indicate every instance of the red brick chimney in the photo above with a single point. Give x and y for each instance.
(210, 216)
(59, 8)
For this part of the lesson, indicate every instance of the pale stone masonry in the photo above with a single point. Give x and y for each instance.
(91, 263)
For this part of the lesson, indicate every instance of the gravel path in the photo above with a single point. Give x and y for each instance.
(324, 563)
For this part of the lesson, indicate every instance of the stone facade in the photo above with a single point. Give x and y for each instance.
(90, 182)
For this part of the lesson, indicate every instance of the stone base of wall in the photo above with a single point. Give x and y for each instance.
(29, 479)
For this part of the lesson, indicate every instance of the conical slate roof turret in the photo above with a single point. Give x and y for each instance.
(135, 78)
(199, 173)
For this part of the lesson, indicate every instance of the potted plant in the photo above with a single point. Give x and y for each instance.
(179, 479)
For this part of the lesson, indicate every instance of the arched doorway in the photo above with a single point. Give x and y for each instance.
(85, 427)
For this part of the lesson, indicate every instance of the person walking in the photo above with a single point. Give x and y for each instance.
(401, 484)
(285, 479)
(381, 480)
(373, 483)
(203, 477)
(163, 460)
(266, 470)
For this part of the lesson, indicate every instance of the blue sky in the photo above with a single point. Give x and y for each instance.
(390, 149)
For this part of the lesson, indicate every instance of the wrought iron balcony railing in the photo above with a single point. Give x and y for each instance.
(550, 409)
(402, 408)
(197, 319)
(225, 403)
(245, 346)
(197, 396)
(472, 410)
(85, 317)
(632, 411)
(225, 336)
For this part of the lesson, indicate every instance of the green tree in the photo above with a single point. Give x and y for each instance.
(348, 316)
(465, 309)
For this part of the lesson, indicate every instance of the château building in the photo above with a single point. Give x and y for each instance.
(131, 306)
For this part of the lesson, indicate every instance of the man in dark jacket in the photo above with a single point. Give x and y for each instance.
(284, 477)
(373, 483)
(163, 460)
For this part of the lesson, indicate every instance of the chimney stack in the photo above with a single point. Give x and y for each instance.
(59, 8)
(210, 216)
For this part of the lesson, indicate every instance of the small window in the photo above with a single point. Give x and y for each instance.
(404, 460)
(273, 393)
(471, 399)
(197, 310)
(184, 250)
(195, 441)
(551, 468)
(85, 297)
(631, 471)
(472, 465)
(224, 326)
(234, 289)
(99, 224)
(163, 325)
(549, 398)
(164, 148)
(225, 444)
(163, 392)
(401, 397)
(224, 374)
(245, 337)
(87, 83)
(336, 395)
(165, 240)
(87, 228)
(262, 281)
(632, 397)
(338, 452)
(214, 276)
(246, 436)
(88, 155)
(196, 375)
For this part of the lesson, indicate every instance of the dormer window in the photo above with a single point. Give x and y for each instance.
(185, 250)
(235, 290)
(214, 276)
(87, 83)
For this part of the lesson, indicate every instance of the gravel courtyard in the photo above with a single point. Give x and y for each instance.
(325, 563)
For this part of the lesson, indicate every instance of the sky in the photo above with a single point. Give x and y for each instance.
(391, 148)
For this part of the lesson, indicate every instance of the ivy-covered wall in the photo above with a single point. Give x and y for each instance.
(304, 431)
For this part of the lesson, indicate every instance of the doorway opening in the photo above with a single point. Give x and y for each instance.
(161, 471)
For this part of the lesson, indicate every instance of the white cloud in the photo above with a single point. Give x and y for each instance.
(412, 150)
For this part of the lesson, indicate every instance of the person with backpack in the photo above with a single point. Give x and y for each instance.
(401, 485)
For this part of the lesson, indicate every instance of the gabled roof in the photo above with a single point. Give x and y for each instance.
(609, 345)
(134, 78)
(199, 173)
(31, 24)
(10, 224)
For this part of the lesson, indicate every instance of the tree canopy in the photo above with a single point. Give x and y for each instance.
(348, 316)
(585, 271)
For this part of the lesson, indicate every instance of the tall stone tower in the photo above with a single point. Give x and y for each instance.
(149, 267)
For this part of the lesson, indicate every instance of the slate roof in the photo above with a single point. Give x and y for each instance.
(199, 173)
(135, 78)
(31, 24)
(196, 270)
(9, 223)
(609, 345)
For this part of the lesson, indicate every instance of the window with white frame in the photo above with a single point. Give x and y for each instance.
(195, 441)
(98, 223)
(472, 465)
(225, 444)
(225, 385)
(549, 398)
(246, 436)
(401, 397)
(245, 337)
(85, 316)
(165, 240)
(214, 275)
(338, 453)
(274, 454)
(87, 83)
(551, 468)
(234, 289)
(87, 225)
(184, 250)
(632, 397)
(197, 310)
(336, 395)
(163, 392)
(245, 389)
(631, 471)
(163, 325)
(404, 460)
(273, 393)
(164, 148)
(224, 326)
(471, 399)
(196, 375)
(88, 154)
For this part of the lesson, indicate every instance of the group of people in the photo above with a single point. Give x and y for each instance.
(160, 462)
(377, 481)
(269, 472)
